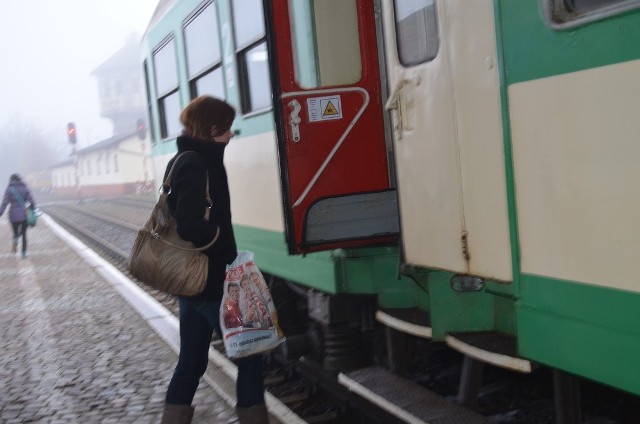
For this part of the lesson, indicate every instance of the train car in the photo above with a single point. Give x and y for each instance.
(459, 170)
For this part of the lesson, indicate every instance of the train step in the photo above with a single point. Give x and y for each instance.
(405, 399)
(490, 347)
(412, 321)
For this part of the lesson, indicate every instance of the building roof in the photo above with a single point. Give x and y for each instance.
(127, 56)
(105, 144)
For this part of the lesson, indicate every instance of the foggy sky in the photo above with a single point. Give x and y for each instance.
(48, 51)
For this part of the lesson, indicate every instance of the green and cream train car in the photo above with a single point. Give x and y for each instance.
(461, 170)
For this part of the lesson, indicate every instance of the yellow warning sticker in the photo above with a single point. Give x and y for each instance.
(324, 108)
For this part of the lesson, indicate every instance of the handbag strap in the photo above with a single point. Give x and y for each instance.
(167, 184)
(17, 196)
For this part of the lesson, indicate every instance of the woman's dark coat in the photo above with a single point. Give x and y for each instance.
(16, 208)
(187, 203)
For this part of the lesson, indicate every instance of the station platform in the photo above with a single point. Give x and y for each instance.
(81, 343)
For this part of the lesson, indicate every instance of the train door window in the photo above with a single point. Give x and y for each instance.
(416, 30)
(204, 58)
(166, 73)
(251, 53)
(568, 13)
(326, 43)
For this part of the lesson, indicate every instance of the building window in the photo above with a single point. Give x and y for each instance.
(251, 54)
(106, 163)
(115, 163)
(98, 167)
(416, 31)
(166, 73)
(203, 52)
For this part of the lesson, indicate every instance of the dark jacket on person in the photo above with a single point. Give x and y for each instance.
(16, 208)
(187, 203)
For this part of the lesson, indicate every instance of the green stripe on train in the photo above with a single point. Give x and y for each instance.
(534, 50)
(371, 270)
(586, 330)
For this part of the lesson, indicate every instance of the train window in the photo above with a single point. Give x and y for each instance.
(325, 42)
(170, 115)
(202, 45)
(145, 72)
(416, 30)
(248, 21)
(165, 65)
(568, 13)
(164, 61)
(256, 69)
(252, 58)
(210, 83)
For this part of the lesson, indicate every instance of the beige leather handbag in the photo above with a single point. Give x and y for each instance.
(161, 259)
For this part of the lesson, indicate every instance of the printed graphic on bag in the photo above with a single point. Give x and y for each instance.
(248, 316)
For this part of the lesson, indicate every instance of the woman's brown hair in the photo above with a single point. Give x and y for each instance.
(206, 117)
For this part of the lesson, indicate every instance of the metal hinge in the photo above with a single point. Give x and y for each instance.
(465, 246)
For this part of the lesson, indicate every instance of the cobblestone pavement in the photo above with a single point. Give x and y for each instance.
(72, 350)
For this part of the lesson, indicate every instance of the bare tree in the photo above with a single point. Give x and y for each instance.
(27, 148)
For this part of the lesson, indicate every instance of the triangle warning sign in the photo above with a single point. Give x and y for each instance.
(330, 109)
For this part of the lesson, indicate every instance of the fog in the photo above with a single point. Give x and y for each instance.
(49, 49)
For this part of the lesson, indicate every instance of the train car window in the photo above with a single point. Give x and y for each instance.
(248, 21)
(416, 31)
(562, 14)
(209, 83)
(251, 53)
(164, 61)
(166, 73)
(202, 45)
(170, 115)
(256, 67)
(326, 45)
(145, 72)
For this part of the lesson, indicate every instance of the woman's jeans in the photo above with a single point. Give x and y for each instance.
(20, 229)
(198, 319)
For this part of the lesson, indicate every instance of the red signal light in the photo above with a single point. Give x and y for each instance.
(71, 132)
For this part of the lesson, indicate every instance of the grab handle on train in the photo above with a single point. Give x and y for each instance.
(294, 120)
(396, 103)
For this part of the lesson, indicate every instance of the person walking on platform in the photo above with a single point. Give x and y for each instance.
(207, 131)
(17, 195)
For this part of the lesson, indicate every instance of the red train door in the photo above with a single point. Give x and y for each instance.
(334, 160)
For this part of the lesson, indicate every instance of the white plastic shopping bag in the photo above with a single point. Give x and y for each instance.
(248, 315)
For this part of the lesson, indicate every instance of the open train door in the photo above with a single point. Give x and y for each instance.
(334, 161)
